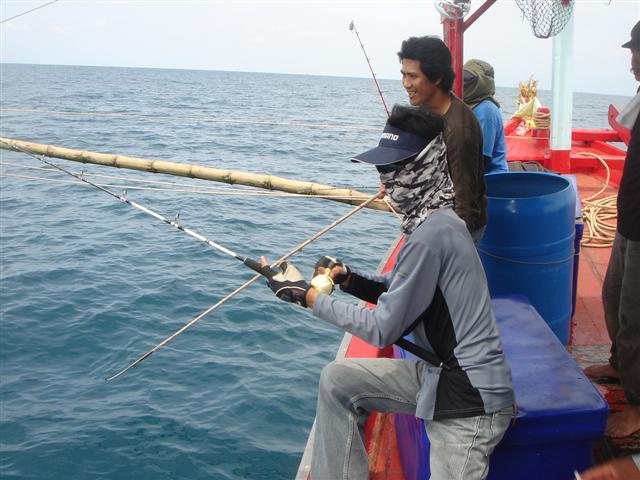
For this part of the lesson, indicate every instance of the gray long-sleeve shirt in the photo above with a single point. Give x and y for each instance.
(439, 279)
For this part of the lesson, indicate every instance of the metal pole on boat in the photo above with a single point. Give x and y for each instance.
(562, 103)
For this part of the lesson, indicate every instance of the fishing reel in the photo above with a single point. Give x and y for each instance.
(323, 282)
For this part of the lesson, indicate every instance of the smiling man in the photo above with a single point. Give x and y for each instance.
(427, 76)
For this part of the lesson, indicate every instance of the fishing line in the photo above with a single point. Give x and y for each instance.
(175, 223)
(193, 189)
(180, 187)
(202, 118)
(352, 27)
(254, 265)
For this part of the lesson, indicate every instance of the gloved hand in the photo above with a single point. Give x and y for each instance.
(288, 285)
(339, 271)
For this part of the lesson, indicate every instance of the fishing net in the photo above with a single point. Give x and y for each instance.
(547, 17)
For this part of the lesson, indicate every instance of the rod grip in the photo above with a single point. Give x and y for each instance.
(252, 264)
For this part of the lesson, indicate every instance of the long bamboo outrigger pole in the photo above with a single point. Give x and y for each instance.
(269, 182)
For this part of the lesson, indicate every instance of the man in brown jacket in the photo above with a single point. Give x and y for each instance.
(427, 76)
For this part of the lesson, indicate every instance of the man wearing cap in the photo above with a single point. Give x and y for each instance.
(479, 91)
(437, 289)
(427, 76)
(620, 288)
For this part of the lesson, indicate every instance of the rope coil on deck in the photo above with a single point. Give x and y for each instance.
(597, 213)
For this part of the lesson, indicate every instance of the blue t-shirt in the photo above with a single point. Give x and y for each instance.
(494, 145)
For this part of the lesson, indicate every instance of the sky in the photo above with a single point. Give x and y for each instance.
(309, 37)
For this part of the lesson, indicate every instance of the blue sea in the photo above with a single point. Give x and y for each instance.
(88, 283)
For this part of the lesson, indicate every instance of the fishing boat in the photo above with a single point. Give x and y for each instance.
(559, 427)
(589, 160)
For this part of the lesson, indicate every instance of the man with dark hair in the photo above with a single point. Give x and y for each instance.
(427, 76)
(463, 390)
(621, 284)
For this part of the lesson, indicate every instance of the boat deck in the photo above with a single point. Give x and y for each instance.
(590, 342)
(587, 326)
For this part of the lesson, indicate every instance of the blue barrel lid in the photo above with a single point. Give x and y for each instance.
(522, 185)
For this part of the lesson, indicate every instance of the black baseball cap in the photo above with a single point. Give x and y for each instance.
(394, 146)
(635, 38)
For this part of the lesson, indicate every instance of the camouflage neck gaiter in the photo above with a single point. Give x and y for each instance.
(421, 186)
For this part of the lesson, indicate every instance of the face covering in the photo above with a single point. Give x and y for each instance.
(479, 84)
(421, 186)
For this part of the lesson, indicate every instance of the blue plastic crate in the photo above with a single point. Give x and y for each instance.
(560, 412)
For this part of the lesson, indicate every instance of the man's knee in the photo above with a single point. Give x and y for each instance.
(336, 379)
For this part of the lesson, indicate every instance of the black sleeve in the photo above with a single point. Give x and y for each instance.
(364, 289)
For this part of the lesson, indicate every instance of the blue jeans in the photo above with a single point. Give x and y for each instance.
(350, 389)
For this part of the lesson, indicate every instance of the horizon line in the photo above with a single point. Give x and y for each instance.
(263, 73)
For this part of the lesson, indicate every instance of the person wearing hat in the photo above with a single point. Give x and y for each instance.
(621, 284)
(463, 391)
(479, 89)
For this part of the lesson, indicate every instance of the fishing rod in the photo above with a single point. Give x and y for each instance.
(352, 27)
(322, 281)
(28, 11)
(175, 223)
(245, 285)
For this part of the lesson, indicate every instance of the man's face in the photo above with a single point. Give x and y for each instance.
(420, 89)
(635, 62)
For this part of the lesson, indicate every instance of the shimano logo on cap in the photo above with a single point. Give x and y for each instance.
(390, 136)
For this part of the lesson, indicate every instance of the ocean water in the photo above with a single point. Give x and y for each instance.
(87, 284)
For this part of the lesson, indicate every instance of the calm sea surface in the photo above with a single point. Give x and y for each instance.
(88, 284)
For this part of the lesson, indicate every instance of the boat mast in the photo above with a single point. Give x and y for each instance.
(453, 27)
(562, 103)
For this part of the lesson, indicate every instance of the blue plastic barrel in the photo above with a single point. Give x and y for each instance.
(528, 246)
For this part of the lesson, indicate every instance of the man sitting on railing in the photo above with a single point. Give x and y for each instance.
(438, 291)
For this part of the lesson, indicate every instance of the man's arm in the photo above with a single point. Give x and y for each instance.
(464, 154)
(408, 296)
(366, 287)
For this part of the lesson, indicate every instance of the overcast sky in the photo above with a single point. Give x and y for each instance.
(308, 37)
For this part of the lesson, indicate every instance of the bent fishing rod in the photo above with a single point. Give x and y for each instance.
(175, 223)
(352, 27)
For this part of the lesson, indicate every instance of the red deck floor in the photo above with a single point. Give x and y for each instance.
(587, 326)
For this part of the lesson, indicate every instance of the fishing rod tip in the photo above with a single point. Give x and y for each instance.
(112, 377)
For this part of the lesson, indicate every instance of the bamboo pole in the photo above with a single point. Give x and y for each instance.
(268, 182)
